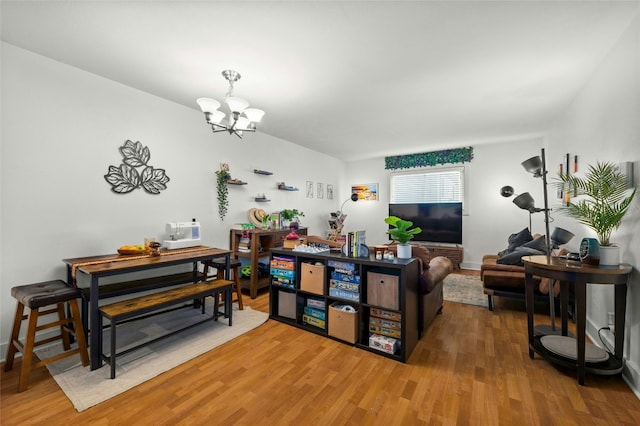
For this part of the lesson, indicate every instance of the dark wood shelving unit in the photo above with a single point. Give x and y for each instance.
(400, 298)
(261, 242)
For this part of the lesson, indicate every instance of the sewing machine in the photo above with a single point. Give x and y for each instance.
(182, 234)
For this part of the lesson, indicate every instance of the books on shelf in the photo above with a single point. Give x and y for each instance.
(355, 246)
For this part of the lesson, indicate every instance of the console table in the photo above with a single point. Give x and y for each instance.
(97, 267)
(571, 272)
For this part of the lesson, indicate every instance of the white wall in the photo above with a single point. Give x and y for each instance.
(602, 125)
(489, 219)
(61, 130)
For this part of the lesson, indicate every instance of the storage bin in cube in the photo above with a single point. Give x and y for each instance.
(343, 324)
(312, 278)
(383, 290)
(286, 304)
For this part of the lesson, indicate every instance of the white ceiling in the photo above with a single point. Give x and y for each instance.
(354, 80)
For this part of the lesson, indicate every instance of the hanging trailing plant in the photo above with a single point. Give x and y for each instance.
(222, 175)
(447, 156)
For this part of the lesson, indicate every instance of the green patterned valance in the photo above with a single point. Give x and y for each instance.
(447, 156)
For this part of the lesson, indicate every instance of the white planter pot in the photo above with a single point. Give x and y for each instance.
(609, 256)
(404, 251)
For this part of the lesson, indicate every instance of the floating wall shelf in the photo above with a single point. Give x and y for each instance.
(261, 172)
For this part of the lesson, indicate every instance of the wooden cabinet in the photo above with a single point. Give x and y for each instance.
(311, 290)
(454, 253)
(259, 244)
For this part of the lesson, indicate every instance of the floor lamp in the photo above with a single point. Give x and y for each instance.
(537, 166)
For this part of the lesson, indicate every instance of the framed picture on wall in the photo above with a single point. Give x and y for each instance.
(365, 191)
(329, 191)
(320, 190)
(309, 189)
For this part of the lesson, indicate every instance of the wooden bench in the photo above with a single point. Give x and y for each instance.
(135, 307)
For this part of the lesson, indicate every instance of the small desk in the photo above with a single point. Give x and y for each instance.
(567, 271)
(97, 267)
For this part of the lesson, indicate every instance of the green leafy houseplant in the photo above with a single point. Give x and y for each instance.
(222, 175)
(606, 202)
(290, 214)
(400, 232)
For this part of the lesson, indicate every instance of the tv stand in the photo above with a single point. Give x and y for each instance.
(453, 252)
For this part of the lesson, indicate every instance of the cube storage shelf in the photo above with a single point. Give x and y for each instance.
(311, 290)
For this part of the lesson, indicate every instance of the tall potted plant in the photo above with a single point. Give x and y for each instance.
(603, 200)
(401, 234)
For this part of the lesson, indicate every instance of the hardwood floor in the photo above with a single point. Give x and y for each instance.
(470, 367)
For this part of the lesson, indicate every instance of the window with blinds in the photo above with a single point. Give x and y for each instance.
(432, 186)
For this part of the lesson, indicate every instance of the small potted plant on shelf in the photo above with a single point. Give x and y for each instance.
(608, 198)
(292, 217)
(401, 234)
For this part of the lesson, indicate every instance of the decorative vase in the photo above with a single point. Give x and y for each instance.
(404, 251)
(609, 255)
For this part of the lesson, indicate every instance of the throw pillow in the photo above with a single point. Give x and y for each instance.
(515, 257)
(539, 243)
(516, 240)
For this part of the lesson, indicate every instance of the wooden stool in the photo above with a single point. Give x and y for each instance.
(219, 264)
(36, 296)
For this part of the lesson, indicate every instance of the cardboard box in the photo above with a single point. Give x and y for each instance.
(350, 278)
(343, 285)
(281, 263)
(316, 322)
(293, 243)
(344, 294)
(312, 278)
(343, 325)
(315, 303)
(314, 312)
(385, 331)
(382, 322)
(344, 266)
(383, 343)
(381, 313)
(383, 290)
(286, 304)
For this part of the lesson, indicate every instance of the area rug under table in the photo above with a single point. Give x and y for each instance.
(86, 388)
(464, 289)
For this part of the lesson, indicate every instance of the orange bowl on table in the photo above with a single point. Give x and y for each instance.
(132, 250)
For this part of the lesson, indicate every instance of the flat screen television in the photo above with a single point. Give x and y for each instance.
(440, 222)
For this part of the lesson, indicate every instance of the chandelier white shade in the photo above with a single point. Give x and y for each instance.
(240, 118)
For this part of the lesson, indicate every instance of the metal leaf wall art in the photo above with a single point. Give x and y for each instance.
(126, 177)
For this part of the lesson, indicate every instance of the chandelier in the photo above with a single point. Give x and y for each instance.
(241, 118)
